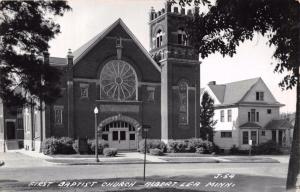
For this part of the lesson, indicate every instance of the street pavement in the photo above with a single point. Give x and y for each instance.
(21, 170)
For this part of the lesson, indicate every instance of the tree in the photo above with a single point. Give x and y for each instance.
(26, 27)
(228, 23)
(207, 112)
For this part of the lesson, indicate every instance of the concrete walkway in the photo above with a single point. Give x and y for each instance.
(23, 158)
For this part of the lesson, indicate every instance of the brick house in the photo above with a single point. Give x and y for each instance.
(247, 110)
(130, 86)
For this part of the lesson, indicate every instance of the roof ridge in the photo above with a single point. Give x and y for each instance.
(257, 78)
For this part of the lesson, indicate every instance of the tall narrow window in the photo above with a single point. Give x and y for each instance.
(222, 115)
(254, 137)
(58, 115)
(229, 115)
(257, 116)
(181, 37)
(252, 115)
(183, 102)
(159, 35)
(245, 137)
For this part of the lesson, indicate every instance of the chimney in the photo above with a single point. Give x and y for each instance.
(212, 83)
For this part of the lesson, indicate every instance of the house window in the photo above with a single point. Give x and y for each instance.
(259, 96)
(252, 115)
(229, 115)
(84, 90)
(58, 115)
(132, 137)
(245, 138)
(222, 115)
(254, 137)
(274, 135)
(257, 116)
(159, 35)
(263, 133)
(269, 111)
(226, 134)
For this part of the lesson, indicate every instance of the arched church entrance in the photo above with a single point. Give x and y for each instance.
(120, 132)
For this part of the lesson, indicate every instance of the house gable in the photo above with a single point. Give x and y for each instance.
(259, 86)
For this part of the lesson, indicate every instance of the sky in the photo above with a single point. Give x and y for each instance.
(88, 18)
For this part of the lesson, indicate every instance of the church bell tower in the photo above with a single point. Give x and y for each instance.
(180, 72)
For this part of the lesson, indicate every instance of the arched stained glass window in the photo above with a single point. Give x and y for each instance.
(118, 81)
(183, 102)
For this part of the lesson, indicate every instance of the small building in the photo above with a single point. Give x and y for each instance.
(247, 110)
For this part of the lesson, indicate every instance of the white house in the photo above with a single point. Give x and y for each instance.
(247, 110)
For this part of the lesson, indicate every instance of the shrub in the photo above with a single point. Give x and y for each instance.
(200, 150)
(81, 146)
(50, 146)
(152, 144)
(110, 152)
(216, 149)
(101, 145)
(267, 148)
(66, 146)
(178, 146)
(156, 152)
(54, 145)
(234, 150)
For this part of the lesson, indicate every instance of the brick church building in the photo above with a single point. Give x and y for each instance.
(130, 86)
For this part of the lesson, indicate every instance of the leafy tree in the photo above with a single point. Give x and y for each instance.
(207, 112)
(227, 23)
(26, 27)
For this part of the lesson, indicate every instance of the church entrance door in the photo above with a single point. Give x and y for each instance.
(120, 135)
(119, 138)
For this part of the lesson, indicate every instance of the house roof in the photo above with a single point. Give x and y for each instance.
(84, 49)
(279, 124)
(250, 125)
(234, 92)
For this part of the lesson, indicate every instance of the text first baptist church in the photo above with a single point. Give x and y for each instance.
(130, 86)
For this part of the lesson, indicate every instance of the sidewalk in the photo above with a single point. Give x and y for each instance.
(138, 158)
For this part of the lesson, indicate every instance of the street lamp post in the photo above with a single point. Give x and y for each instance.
(96, 111)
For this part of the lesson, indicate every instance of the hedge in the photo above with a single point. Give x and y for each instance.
(110, 152)
(192, 146)
(156, 152)
(63, 145)
(152, 144)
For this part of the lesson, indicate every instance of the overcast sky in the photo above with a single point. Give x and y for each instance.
(88, 18)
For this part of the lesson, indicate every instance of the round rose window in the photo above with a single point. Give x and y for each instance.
(118, 80)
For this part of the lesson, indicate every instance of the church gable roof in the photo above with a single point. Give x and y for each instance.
(84, 49)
